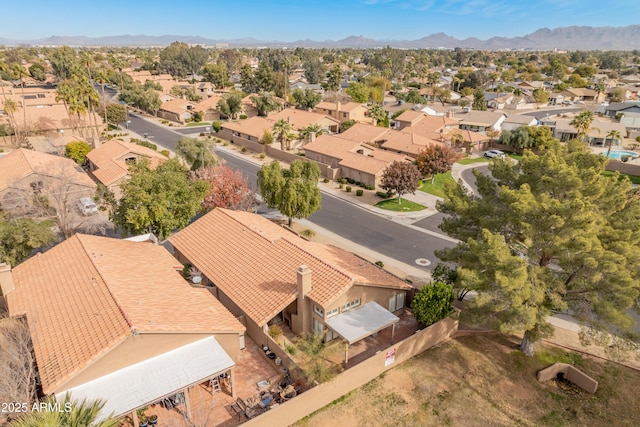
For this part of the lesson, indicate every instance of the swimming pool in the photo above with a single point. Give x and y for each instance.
(617, 154)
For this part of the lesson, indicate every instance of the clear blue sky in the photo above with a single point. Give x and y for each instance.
(290, 20)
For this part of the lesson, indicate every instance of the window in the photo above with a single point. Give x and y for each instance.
(345, 115)
(318, 310)
(396, 302)
(333, 312)
(351, 304)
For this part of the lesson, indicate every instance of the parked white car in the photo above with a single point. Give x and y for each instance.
(494, 153)
(87, 206)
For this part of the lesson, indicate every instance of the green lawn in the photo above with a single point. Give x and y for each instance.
(472, 160)
(192, 124)
(437, 188)
(403, 206)
(633, 178)
(515, 156)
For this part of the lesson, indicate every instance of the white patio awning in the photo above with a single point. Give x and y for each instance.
(155, 378)
(361, 322)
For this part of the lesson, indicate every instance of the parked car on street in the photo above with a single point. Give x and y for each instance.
(494, 153)
(87, 206)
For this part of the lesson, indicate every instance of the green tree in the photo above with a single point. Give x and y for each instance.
(265, 77)
(265, 103)
(248, 79)
(479, 102)
(74, 414)
(180, 59)
(116, 113)
(64, 62)
(77, 151)
(314, 128)
(379, 115)
(582, 123)
(333, 80)
(157, 200)
(617, 94)
(433, 302)
(314, 70)
(359, 92)
(347, 124)
(230, 105)
(306, 99)
(294, 192)
(547, 234)
(283, 131)
(401, 178)
(19, 237)
(216, 74)
(198, 153)
(37, 72)
(541, 96)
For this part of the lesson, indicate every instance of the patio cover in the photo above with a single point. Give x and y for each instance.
(361, 322)
(153, 379)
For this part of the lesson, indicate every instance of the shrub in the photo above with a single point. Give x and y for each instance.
(380, 264)
(382, 194)
(243, 150)
(300, 154)
(325, 180)
(224, 144)
(432, 303)
(341, 185)
(262, 155)
(308, 233)
(166, 153)
(348, 189)
(359, 193)
(291, 349)
(201, 133)
(216, 126)
(371, 187)
(625, 158)
(243, 116)
(275, 331)
(343, 180)
(638, 138)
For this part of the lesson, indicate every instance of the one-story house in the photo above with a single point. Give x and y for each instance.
(269, 275)
(114, 320)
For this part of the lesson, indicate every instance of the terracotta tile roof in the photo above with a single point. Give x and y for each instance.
(300, 119)
(254, 262)
(365, 164)
(52, 118)
(364, 133)
(87, 294)
(333, 106)
(409, 143)
(333, 146)
(430, 126)
(209, 103)
(177, 106)
(410, 116)
(255, 126)
(22, 162)
(109, 159)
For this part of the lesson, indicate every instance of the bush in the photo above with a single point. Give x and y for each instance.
(290, 349)
(300, 154)
(166, 153)
(343, 180)
(380, 264)
(216, 126)
(243, 116)
(382, 194)
(359, 193)
(325, 180)
(638, 138)
(243, 150)
(348, 189)
(308, 233)
(371, 187)
(432, 303)
(341, 185)
(201, 133)
(625, 158)
(262, 155)
(275, 331)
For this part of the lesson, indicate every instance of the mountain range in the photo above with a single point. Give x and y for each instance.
(566, 38)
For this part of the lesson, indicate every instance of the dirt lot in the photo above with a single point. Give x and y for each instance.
(483, 380)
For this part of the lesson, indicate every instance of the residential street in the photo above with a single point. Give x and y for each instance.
(342, 218)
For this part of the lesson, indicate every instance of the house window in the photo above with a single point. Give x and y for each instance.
(333, 312)
(318, 310)
(351, 304)
(344, 115)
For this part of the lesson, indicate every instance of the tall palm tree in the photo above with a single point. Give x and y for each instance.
(102, 78)
(10, 107)
(614, 134)
(582, 123)
(19, 71)
(74, 414)
(283, 131)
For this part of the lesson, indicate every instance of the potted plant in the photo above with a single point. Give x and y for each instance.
(142, 416)
(153, 420)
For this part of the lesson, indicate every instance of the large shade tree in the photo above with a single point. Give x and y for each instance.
(401, 178)
(157, 200)
(435, 159)
(294, 192)
(227, 188)
(548, 234)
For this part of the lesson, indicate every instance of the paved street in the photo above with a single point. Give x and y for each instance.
(345, 219)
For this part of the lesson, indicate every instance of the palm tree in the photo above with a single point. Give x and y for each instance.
(614, 134)
(283, 131)
(313, 128)
(74, 414)
(265, 103)
(582, 123)
(377, 113)
(22, 73)
(10, 107)
(102, 78)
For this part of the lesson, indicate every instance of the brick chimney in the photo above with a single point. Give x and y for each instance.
(304, 281)
(6, 279)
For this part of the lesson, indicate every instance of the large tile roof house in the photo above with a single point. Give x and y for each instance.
(98, 307)
(255, 266)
